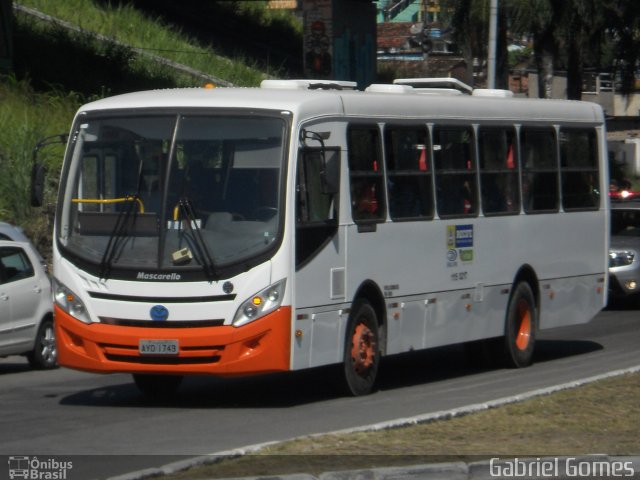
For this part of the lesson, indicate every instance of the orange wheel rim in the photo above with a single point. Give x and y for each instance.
(523, 336)
(363, 348)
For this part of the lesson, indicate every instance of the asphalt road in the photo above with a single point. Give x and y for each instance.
(64, 414)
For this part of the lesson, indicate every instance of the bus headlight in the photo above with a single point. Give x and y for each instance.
(260, 304)
(69, 302)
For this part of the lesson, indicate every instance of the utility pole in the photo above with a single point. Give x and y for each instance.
(493, 34)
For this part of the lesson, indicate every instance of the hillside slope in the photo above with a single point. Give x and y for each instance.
(100, 47)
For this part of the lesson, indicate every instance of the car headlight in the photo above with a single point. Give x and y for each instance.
(69, 302)
(620, 258)
(260, 304)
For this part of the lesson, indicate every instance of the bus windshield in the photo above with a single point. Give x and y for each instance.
(171, 192)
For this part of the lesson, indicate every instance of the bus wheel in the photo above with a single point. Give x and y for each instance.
(521, 325)
(157, 387)
(362, 350)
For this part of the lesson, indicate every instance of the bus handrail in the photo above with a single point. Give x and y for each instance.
(128, 198)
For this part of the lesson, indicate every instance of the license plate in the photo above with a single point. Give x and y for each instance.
(158, 347)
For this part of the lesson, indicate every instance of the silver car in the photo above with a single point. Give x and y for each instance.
(624, 251)
(26, 308)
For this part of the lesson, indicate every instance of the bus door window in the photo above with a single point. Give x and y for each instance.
(579, 167)
(408, 173)
(539, 169)
(153, 168)
(453, 156)
(498, 170)
(316, 204)
(366, 176)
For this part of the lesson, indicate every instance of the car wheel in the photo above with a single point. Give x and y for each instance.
(45, 353)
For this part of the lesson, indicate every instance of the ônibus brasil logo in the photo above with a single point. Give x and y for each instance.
(38, 468)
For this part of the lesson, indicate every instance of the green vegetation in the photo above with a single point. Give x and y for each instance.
(26, 117)
(600, 417)
(130, 26)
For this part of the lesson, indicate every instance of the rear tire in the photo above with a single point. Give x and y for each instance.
(521, 326)
(157, 387)
(362, 350)
(44, 355)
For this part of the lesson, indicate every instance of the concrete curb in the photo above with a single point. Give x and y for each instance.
(454, 471)
(559, 468)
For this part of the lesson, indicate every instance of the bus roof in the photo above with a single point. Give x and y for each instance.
(404, 103)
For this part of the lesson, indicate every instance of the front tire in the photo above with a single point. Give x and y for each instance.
(521, 326)
(362, 350)
(44, 355)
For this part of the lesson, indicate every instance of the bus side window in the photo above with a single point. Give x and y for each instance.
(366, 178)
(579, 167)
(498, 171)
(453, 158)
(408, 172)
(539, 169)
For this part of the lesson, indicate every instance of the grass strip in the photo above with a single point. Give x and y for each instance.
(601, 417)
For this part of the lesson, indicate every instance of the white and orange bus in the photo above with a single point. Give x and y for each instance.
(237, 231)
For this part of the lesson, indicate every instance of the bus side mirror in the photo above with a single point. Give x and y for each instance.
(39, 171)
(38, 174)
(330, 173)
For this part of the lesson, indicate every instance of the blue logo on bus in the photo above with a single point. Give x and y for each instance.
(159, 312)
(464, 236)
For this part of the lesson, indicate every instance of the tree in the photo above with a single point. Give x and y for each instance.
(536, 17)
(623, 19)
(567, 34)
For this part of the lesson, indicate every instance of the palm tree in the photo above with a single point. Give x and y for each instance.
(539, 18)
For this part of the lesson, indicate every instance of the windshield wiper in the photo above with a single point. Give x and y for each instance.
(119, 233)
(195, 236)
(120, 230)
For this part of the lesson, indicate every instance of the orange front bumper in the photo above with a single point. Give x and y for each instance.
(262, 346)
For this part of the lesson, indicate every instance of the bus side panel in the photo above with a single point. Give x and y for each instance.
(567, 255)
(439, 300)
(320, 315)
(429, 301)
(559, 303)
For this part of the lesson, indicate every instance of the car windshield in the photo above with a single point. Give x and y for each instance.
(625, 222)
(172, 192)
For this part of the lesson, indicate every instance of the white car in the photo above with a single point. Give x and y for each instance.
(26, 307)
(624, 251)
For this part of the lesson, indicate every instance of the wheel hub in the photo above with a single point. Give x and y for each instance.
(363, 349)
(523, 335)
